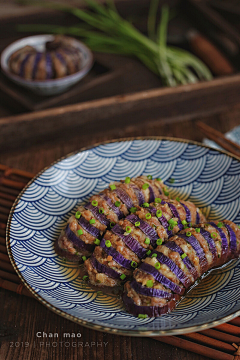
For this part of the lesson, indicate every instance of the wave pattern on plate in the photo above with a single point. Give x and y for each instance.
(207, 177)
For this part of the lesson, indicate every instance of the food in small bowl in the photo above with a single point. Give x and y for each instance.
(46, 64)
(59, 58)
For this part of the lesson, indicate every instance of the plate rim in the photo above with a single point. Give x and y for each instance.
(93, 326)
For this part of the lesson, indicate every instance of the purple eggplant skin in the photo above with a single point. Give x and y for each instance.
(162, 279)
(65, 254)
(119, 214)
(151, 311)
(197, 248)
(139, 194)
(77, 241)
(126, 202)
(143, 290)
(89, 228)
(223, 238)
(124, 197)
(101, 268)
(174, 268)
(144, 226)
(188, 213)
(100, 217)
(212, 247)
(174, 247)
(130, 241)
(119, 258)
(233, 240)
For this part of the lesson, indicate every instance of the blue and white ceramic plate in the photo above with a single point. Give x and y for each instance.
(208, 177)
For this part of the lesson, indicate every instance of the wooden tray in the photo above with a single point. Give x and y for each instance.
(112, 75)
(220, 343)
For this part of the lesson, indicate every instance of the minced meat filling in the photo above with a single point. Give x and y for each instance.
(142, 300)
(108, 212)
(136, 233)
(175, 256)
(164, 270)
(121, 247)
(189, 251)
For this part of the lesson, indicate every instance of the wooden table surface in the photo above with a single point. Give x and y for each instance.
(22, 317)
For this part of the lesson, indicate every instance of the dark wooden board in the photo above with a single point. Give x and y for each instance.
(111, 75)
(153, 106)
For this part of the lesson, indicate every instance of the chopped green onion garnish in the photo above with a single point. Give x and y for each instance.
(158, 179)
(220, 224)
(78, 215)
(123, 276)
(183, 256)
(170, 227)
(147, 241)
(108, 243)
(84, 258)
(188, 233)
(92, 221)
(177, 198)
(238, 226)
(171, 181)
(99, 292)
(80, 232)
(112, 187)
(76, 253)
(101, 211)
(137, 223)
(214, 235)
(148, 216)
(112, 224)
(157, 266)
(128, 229)
(97, 241)
(154, 255)
(145, 204)
(158, 200)
(159, 241)
(85, 277)
(184, 222)
(133, 209)
(186, 226)
(149, 177)
(142, 316)
(64, 259)
(117, 203)
(94, 203)
(134, 264)
(197, 230)
(159, 213)
(172, 222)
(127, 180)
(149, 283)
(165, 192)
(145, 186)
(148, 252)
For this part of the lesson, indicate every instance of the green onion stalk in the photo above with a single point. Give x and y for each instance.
(104, 30)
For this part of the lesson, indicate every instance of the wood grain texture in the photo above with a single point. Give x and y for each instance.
(23, 317)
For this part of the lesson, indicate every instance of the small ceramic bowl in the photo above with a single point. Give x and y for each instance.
(51, 86)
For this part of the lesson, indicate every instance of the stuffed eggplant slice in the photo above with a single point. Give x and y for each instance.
(85, 229)
(173, 267)
(132, 239)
